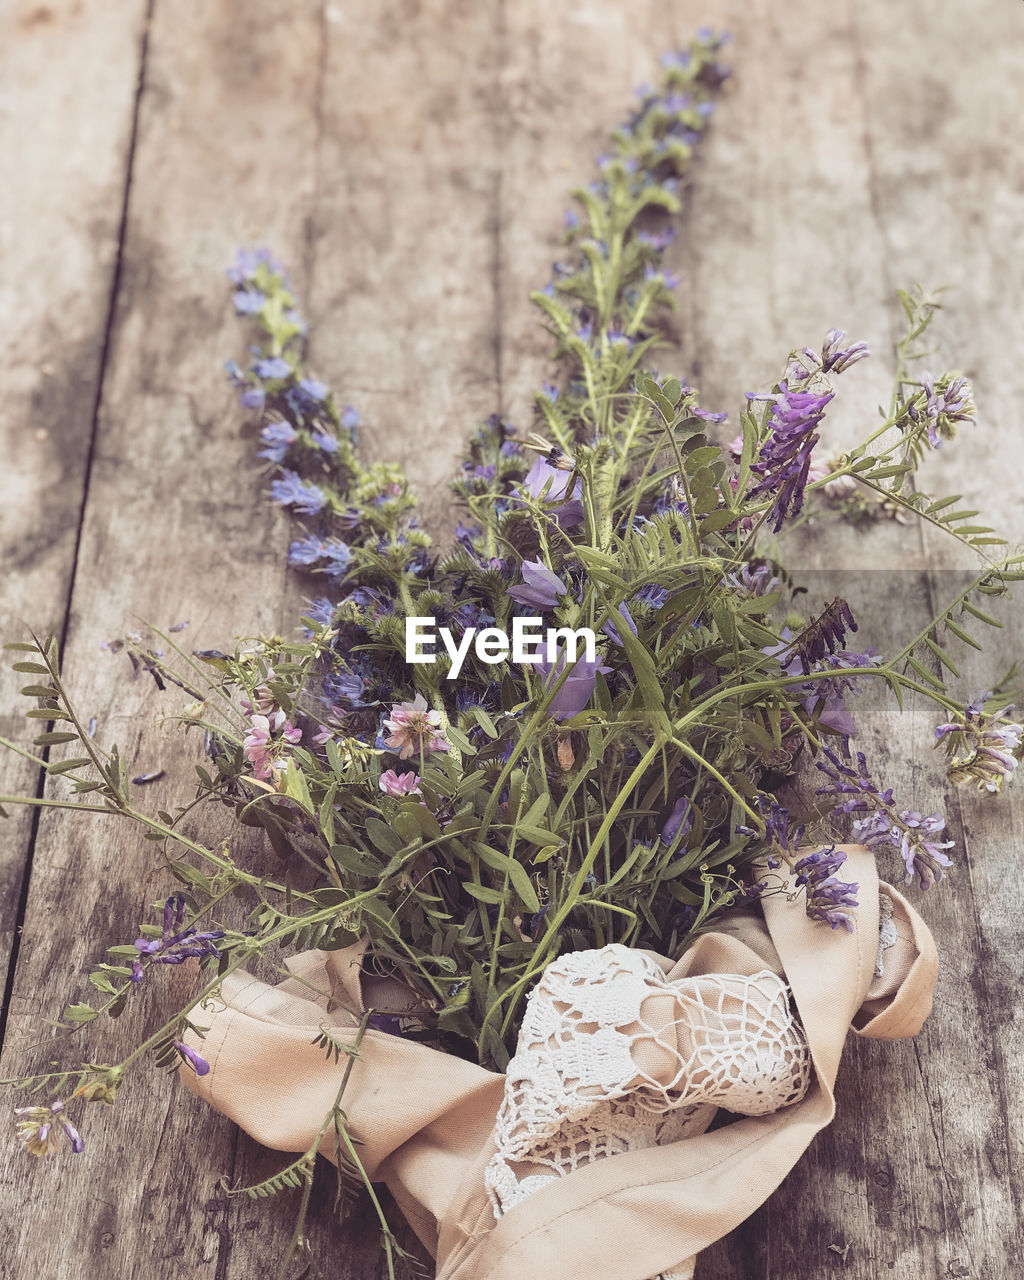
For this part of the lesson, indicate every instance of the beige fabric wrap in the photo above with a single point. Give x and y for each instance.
(424, 1119)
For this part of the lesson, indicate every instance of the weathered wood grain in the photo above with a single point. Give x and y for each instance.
(60, 211)
(412, 160)
(174, 529)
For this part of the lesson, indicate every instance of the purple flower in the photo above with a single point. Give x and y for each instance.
(652, 596)
(679, 822)
(306, 550)
(540, 587)
(273, 368)
(41, 1130)
(777, 828)
(199, 1065)
(785, 456)
(175, 945)
(345, 684)
(611, 630)
(278, 437)
(253, 398)
(314, 389)
(325, 441)
(881, 824)
(291, 491)
(248, 302)
(549, 483)
(321, 611)
(577, 688)
(835, 358)
(248, 262)
(994, 745)
(827, 896)
(941, 403)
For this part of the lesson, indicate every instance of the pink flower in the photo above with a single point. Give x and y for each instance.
(256, 747)
(262, 750)
(399, 784)
(735, 446)
(818, 470)
(414, 728)
(324, 736)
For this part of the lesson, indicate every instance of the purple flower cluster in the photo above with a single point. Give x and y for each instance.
(779, 832)
(331, 556)
(785, 457)
(994, 745)
(940, 405)
(290, 490)
(175, 945)
(42, 1130)
(910, 832)
(827, 897)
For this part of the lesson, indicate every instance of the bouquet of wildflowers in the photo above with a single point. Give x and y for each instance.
(576, 726)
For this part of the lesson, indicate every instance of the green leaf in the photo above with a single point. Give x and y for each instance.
(31, 668)
(293, 784)
(383, 837)
(716, 520)
(80, 1013)
(483, 894)
(51, 739)
(66, 766)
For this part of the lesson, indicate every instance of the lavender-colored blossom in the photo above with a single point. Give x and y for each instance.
(253, 398)
(785, 456)
(321, 611)
(314, 389)
(540, 587)
(994, 745)
(827, 897)
(679, 822)
(346, 684)
(652, 596)
(543, 481)
(325, 441)
(837, 358)
(290, 490)
(906, 830)
(278, 437)
(248, 302)
(779, 831)
(42, 1130)
(306, 550)
(199, 1065)
(247, 263)
(941, 404)
(176, 944)
(577, 688)
(273, 368)
(610, 629)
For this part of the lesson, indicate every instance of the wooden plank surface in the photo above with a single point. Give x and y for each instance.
(60, 213)
(411, 162)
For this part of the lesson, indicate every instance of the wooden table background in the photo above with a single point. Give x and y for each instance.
(410, 160)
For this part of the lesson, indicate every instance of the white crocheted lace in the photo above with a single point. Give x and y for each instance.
(613, 1058)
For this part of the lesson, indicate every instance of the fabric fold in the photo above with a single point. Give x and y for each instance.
(425, 1120)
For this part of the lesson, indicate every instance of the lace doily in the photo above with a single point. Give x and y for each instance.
(613, 1058)
(888, 934)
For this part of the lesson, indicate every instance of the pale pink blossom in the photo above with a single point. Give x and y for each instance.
(399, 784)
(414, 728)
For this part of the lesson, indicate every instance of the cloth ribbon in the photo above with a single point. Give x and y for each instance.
(426, 1121)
